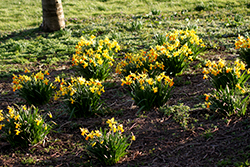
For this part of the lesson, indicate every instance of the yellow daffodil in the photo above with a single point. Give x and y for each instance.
(150, 81)
(17, 131)
(1, 126)
(100, 61)
(11, 112)
(16, 117)
(238, 86)
(46, 81)
(72, 100)
(207, 96)
(111, 121)
(93, 144)
(24, 107)
(50, 115)
(1, 116)
(208, 104)
(171, 84)
(90, 135)
(205, 76)
(133, 138)
(155, 89)
(39, 75)
(26, 70)
(228, 69)
(46, 72)
(84, 131)
(98, 133)
(92, 37)
(38, 121)
(120, 127)
(113, 128)
(17, 125)
(57, 79)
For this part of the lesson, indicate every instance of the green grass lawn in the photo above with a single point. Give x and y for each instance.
(23, 14)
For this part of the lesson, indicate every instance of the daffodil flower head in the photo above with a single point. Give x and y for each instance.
(50, 115)
(207, 96)
(38, 121)
(84, 131)
(111, 121)
(208, 104)
(26, 70)
(120, 127)
(98, 133)
(133, 138)
(17, 131)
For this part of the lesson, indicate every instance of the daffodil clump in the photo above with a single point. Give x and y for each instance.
(110, 145)
(149, 92)
(188, 37)
(23, 126)
(94, 59)
(228, 98)
(224, 74)
(173, 56)
(141, 62)
(227, 102)
(180, 48)
(82, 96)
(243, 45)
(35, 89)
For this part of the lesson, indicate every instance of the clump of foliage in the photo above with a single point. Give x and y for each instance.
(180, 48)
(143, 62)
(180, 113)
(243, 45)
(23, 126)
(160, 39)
(136, 25)
(35, 89)
(81, 96)
(227, 102)
(108, 146)
(199, 7)
(155, 12)
(174, 54)
(228, 97)
(94, 59)
(149, 92)
(224, 74)
(236, 21)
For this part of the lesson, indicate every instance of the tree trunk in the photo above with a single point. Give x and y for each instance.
(53, 17)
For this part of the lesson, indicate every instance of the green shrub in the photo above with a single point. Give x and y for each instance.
(180, 113)
(81, 96)
(227, 102)
(180, 48)
(224, 74)
(94, 59)
(35, 89)
(149, 92)
(23, 126)
(243, 45)
(108, 146)
(143, 62)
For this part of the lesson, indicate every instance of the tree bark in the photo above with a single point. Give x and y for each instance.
(53, 17)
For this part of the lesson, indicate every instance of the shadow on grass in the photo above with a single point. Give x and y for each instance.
(23, 34)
